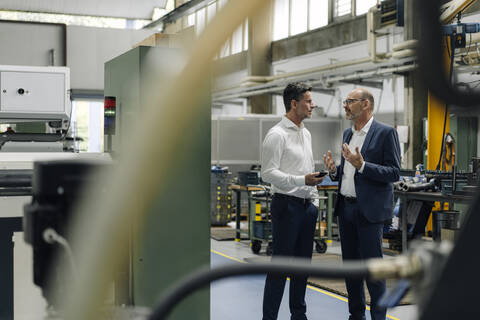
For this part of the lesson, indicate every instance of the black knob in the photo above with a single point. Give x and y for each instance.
(21, 91)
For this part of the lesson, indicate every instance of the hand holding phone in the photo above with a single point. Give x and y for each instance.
(314, 178)
(321, 174)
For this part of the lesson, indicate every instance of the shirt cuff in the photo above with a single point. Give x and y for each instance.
(299, 180)
(333, 175)
(362, 167)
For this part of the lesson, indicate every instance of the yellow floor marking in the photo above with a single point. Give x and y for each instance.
(310, 287)
(328, 293)
(228, 257)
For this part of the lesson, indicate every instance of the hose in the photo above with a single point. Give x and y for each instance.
(204, 276)
(411, 266)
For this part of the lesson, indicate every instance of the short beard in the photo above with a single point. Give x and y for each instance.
(352, 116)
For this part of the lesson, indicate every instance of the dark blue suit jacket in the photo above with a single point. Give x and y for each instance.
(374, 187)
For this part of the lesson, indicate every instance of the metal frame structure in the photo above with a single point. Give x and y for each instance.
(325, 80)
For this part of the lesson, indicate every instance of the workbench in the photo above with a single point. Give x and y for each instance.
(424, 196)
(331, 191)
(238, 192)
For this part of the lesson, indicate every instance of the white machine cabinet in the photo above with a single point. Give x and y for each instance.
(34, 93)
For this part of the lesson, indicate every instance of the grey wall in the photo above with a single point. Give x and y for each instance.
(83, 49)
(331, 36)
(89, 48)
(29, 44)
(238, 140)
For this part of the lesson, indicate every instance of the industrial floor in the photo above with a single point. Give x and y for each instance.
(241, 297)
(231, 299)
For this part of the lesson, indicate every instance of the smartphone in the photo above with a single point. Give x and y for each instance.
(321, 174)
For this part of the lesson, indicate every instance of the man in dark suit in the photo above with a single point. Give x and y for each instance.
(369, 165)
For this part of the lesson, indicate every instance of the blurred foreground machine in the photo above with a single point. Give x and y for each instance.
(56, 188)
(15, 191)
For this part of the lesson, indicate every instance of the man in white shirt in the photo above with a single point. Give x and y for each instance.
(370, 164)
(287, 163)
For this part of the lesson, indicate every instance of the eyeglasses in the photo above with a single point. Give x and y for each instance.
(350, 101)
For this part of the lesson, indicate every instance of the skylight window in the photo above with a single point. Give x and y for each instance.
(87, 21)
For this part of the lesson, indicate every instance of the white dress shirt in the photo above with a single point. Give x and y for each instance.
(357, 140)
(286, 158)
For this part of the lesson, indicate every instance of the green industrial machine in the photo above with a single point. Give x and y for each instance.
(175, 238)
(464, 131)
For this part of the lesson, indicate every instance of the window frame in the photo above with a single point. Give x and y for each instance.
(207, 18)
(344, 17)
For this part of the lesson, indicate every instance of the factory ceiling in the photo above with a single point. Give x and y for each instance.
(131, 9)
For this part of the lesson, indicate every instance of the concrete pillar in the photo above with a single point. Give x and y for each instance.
(416, 97)
(259, 62)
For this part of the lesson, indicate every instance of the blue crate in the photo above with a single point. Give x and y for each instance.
(261, 229)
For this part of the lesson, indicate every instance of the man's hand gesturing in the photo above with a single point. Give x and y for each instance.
(329, 163)
(355, 159)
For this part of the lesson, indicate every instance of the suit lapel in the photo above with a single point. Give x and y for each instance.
(347, 136)
(368, 138)
(346, 139)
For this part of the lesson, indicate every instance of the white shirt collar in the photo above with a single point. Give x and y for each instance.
(290, 124)
(365, 128)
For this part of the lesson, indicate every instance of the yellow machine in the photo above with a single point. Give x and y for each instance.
(438, 116)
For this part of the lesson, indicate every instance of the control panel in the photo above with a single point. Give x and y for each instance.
(34, 93)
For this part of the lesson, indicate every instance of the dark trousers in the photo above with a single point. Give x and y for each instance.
(293, 227)
(361, 239)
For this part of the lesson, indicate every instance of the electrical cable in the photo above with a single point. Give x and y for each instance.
(64, 135)
(449, 145)
(448, 47)
(204, 276)
(51, 236)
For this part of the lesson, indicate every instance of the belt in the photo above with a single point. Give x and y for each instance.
(350, 199)
(293, 198)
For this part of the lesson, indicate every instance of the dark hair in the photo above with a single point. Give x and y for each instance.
(294, 91)
(368, 95)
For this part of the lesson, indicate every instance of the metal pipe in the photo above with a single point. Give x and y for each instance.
(15, 178)
(409, 44)
(326, 82)
(404, 53)
(371, 35)
(251, 80)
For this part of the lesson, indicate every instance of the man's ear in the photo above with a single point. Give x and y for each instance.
(367, 105)
(293, 104)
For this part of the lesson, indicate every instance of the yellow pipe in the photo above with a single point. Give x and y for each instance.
(436, 116)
